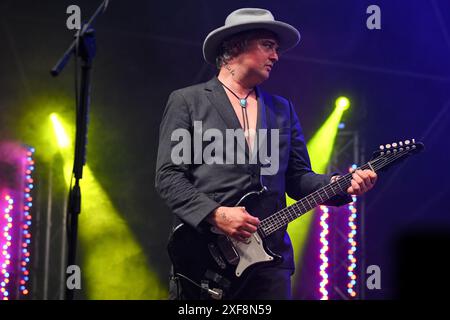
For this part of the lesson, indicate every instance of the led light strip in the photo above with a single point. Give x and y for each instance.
(323, 253)
(26, 223)
(352, 244)
(6, 246)
(352, 248)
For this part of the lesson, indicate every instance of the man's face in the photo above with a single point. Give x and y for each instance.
(260, 56)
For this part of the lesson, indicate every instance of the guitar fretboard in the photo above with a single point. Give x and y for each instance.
(281, 218)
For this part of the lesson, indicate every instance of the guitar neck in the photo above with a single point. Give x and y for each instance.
(389, 155)
(281, 218)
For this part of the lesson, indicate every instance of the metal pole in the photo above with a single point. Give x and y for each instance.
(62, 279)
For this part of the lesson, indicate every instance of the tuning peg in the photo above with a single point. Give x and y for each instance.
(401, 143)
(407, 141)
(413, 140)
(394, 145)
(388, 146)
(381, 147)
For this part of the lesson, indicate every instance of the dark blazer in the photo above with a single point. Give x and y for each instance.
(193, 191)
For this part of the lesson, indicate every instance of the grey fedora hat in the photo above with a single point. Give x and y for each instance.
(248, 19)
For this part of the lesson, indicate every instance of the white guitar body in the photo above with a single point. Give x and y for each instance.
(250, 252)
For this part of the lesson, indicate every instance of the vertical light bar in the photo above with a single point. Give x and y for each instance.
(26, 224)
(7, 218)
(323, 253)
(351, 236)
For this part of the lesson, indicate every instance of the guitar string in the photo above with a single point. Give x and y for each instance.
(313, 197)
(290, 210)
(275, 223)
(289, 213)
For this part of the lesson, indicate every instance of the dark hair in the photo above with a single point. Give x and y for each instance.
(236, 44)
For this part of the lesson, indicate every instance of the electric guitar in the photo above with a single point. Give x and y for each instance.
(219, 265)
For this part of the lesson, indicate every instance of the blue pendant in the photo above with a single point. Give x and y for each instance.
(243, 102)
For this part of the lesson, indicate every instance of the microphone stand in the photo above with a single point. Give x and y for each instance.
(82, 47)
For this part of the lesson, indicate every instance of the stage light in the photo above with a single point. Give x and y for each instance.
(114, 264)
(320, 148)
(61, 135)
(342, 104)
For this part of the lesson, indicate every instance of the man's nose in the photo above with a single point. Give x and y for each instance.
(274, 56)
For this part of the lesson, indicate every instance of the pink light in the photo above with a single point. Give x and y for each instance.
(351, 251)
(26, 235)
(15, 220)
(6, 205)
(323, 257)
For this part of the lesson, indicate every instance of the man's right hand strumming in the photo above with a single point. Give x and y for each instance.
(235, 222)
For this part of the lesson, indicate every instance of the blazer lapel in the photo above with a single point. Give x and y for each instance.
(219, 99)
(261, 123)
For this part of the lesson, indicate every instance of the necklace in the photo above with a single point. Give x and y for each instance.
(242, 101)
(243, 104)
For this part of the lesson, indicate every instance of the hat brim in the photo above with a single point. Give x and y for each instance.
(288, 36)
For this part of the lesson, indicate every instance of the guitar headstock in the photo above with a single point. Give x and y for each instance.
(394, 152)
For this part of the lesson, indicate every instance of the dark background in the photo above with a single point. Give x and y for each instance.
(397, 78)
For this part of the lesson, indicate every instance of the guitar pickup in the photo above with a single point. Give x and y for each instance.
(228, 250)
(215, 254)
